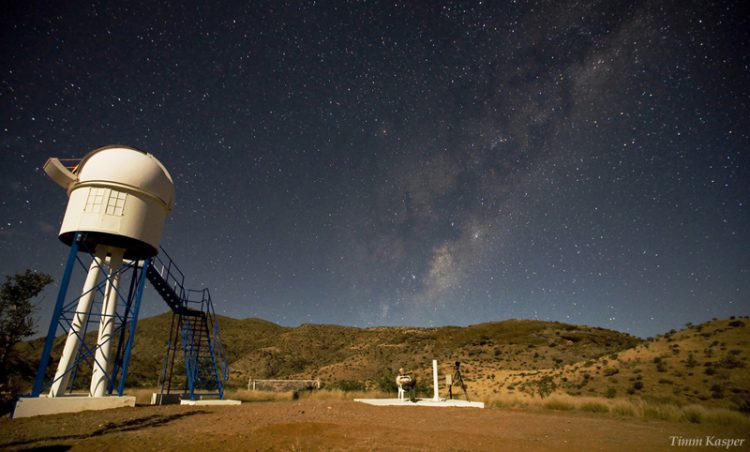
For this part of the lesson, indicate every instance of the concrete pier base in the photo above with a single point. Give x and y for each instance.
(165, 399)
(442, 403)
(38, 406)
(211, 402)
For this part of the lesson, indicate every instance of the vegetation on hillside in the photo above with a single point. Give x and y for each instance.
(701, 364)
(504, 363)
(16, 323)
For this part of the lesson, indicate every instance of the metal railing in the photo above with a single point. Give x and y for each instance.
(198, 301)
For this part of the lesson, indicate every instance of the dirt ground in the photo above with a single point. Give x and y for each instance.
(345, 425)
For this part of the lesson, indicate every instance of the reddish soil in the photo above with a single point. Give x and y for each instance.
(344, 425)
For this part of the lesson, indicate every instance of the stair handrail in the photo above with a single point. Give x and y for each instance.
(195, 300)
(170, 272)
(219, 351)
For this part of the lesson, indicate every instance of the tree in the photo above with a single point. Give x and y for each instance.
(16, 321)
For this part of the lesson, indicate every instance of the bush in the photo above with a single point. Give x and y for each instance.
(717, 392)
(386, 383)
(692, 415)
(545, 386)
(731, 362)
(16, 323)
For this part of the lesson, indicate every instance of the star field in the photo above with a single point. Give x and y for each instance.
(404, 163)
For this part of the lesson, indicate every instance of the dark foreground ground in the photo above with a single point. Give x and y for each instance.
(345, 425)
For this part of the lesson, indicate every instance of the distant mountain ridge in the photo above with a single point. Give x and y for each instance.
(258, 348)
(509, 356)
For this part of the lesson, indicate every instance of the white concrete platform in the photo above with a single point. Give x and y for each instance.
(225, 402)
(422, 402)
(38, 406)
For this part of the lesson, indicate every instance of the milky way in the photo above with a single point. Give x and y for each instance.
(423, 163)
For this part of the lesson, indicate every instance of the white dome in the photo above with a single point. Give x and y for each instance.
(119, 197)
(129, 167)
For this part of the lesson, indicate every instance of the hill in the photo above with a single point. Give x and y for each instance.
(370, 357)
(701, 364)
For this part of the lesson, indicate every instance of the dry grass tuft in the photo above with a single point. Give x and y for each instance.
(559, 405)
(247, 396)
(629, 407)
(594, 407)
(336, 394)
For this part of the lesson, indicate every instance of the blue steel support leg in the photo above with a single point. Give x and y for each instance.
(219, 385)
(61, 294)
(188, 344)
(133, 323)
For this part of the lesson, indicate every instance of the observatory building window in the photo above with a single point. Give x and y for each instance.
(95, 200)
(116, 203)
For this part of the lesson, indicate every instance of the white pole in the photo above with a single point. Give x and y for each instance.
(436, 398)
(106, 326)
(74, 339)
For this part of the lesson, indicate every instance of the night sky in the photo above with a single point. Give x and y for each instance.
(403, 163)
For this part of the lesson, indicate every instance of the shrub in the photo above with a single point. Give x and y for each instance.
(717, 392)
(386, 383)
(692, 414)
(731, 362)
(545, 386)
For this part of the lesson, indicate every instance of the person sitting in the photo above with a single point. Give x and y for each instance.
(406, 383)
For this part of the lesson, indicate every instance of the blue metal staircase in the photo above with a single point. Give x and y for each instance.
(194, 330)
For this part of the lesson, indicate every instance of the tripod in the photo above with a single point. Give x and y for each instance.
(457, 379)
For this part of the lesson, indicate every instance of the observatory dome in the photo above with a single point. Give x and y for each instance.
(119, 197)
(132, 168)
